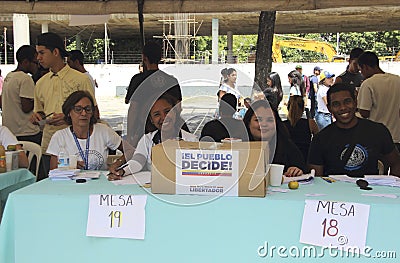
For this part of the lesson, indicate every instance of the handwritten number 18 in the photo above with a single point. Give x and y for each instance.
(115, 215)
(332, 230)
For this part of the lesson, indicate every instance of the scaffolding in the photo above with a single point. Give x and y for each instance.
(179, 37)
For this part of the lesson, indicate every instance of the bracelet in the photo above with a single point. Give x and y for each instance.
(123, 173)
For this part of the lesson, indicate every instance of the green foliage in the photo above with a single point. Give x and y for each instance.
(384, 43)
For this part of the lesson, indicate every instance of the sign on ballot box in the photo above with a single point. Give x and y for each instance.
(335, 224)
(207, 172)
(120, 216)
(206, 168)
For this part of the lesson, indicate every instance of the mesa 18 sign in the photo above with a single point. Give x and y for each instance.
(335, 224)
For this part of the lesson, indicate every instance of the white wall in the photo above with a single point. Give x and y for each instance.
(109, 76)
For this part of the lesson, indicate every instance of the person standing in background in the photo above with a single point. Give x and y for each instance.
(145, 88)
(352, 75)
(18, 94)
(299, 68)
(312, 94)
(76, 61)
(297, 86)
(229, 84)
(274, 93)
(53, 88)
(379, 95)
(323, 117)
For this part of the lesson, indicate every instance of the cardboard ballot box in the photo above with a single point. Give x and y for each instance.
(207, 168)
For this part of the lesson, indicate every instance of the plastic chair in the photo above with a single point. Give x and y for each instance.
(34, 150)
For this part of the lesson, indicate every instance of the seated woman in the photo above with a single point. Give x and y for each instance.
(167, 126)
(263, 124)
(301, 130)
(85, 138)
(226, 126)
(8, 138)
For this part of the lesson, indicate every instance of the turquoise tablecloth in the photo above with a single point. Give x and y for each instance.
(11, 181)
(46, 222)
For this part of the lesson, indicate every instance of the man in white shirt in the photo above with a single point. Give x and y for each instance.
(379, 95)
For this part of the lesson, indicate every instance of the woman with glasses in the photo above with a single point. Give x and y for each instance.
(163, 117)
(87, 140)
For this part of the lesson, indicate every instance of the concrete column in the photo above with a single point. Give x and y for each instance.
(78, 42)
(20, 32)
(229, 42)
(214, 42)
(45, 27)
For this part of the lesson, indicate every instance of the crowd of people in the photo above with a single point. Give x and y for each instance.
(325, 128)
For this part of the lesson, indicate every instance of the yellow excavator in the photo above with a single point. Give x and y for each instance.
(304, 44)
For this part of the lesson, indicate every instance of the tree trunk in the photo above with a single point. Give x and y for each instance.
(266, 27)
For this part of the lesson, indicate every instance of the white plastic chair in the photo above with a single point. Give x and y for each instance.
(34, 150)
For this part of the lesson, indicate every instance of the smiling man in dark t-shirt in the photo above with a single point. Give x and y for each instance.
(351, 145)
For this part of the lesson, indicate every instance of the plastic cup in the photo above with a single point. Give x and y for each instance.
(9, 160)
(73, 160)
(275, 174)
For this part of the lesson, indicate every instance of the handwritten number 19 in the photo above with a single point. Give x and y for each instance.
(332, 229)
(114, 216)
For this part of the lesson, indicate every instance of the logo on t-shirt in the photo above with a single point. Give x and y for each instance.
(96, 160)
(357, 159)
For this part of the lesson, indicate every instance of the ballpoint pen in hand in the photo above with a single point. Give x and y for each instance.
(48, 115)
(121, 167)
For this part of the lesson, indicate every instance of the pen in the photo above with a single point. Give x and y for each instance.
(48, 115)
(328, 180)
(122, 166)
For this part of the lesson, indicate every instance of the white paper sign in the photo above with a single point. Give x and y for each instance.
(335, 224)
(207, 172)
(121, 216)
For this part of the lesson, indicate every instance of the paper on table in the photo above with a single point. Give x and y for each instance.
(382, 195)
(387, 180)
(87, 175)
(63, 174)
(140, 178)
(126, 221)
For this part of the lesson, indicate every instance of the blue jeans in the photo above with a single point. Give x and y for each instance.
(323, 119)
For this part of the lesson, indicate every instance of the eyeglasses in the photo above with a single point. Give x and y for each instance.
(79, 109)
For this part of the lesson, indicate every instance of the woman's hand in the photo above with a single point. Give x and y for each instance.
(115, 174)
(293, 171)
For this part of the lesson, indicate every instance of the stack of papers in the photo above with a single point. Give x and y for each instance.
(63, 174)
(386, 180)
(88, 175)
